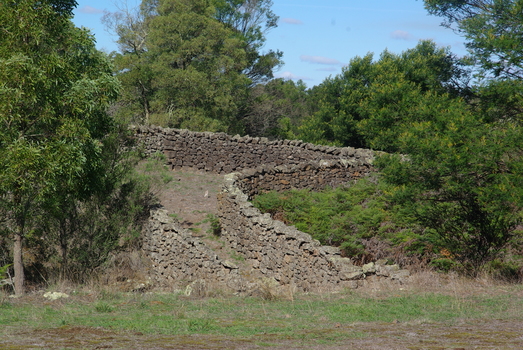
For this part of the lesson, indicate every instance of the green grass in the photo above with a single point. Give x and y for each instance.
(304, 317)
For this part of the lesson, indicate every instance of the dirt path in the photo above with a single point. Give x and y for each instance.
(191, 197)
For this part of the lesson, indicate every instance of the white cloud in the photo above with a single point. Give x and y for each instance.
(291, 76)
(320, 60)
(291, 21)
(401, 35)
(90, 10)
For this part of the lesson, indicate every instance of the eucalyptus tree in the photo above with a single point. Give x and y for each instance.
(54, 89)
(251, 20)
(196, 63)
(492, 29)
(493, 32)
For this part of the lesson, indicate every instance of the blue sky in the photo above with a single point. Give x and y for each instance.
(319, 37)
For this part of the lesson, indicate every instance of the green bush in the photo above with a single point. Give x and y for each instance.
(361, 217)
(345, 216)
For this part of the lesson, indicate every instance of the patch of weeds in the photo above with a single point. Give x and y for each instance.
(108, 295)
(200, 325)
(103, 307)
(195, 229)
(175, 216)
(143, 305)
(215, 228)
(199, 212)
(237, 256)
(154, 171)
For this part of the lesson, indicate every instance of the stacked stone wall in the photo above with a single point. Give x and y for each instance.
(282, 252)
(269, 248)
(223, 154)
(178, 258)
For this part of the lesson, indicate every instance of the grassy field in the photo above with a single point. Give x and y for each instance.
(401, 317)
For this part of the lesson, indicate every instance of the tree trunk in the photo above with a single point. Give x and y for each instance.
(145, 103)
(18, 266)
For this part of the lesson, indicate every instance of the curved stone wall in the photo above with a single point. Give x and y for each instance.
(269, 248)
(223, 154)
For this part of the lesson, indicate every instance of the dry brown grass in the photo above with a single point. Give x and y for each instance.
(451, 284)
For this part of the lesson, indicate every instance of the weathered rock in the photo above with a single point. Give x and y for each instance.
(400, 274)
(369, 268)
(55, 295)
(351, 273)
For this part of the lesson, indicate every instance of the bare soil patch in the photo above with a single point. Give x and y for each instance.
(487, 334)
(191, 197)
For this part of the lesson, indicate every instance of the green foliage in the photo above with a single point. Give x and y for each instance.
(500, 100)
(369, 103)
(4, 275)
(54, 89)
(276, 109)
(215, 227)
(103, 307)
(197, 65)
(492, 29)
(65, 186)
(3, 270)
(199, 325)
(190, 64)
(250, 21)
(460, 177)
(345, 216)
(465, 180)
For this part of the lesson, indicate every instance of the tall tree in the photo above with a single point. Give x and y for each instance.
(275, 109)
(252, 20)
(54, 88)
(493, 30)
(197, 62)
(463, 180)
(370, 101)
(131, 65)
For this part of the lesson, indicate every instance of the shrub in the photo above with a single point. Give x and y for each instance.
(345, 216)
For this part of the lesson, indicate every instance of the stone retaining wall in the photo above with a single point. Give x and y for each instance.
(269, 248)
(223, 154)
(178, 258)
(279, 251)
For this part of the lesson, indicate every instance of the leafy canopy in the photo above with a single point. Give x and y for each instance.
(492, 28)
(370, 102)
(191, 64)
(58, 147)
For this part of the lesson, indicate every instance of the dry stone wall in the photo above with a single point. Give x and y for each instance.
(223, 154)
(282, 252)
(269, 248)
(179, 259)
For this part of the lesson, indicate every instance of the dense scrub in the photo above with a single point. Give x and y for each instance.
(368, 224)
